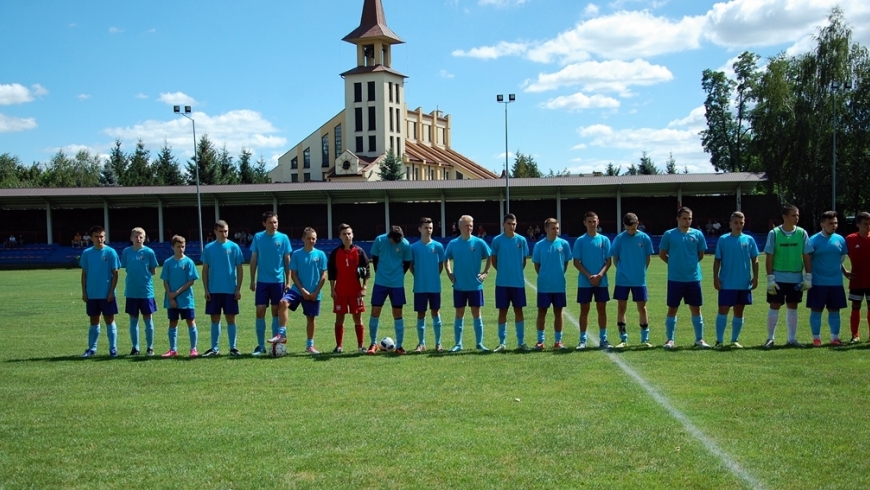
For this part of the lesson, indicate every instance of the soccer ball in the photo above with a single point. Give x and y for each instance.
(278, 350)
(387, 344)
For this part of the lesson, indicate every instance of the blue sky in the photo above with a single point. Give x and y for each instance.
(595, 82)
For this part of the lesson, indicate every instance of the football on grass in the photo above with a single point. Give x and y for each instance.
(278, 350)
(387, 344)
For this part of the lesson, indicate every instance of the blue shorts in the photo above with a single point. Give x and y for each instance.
(421, 300)
(732, 297)
(294, 299)
(690, 292)
(471, 298)
(638, 293)
(222, 301)
(184, 313)
(269, 293)
(134, 306)
(396, 295)
(830, 297)
(556, 300)
(600, 293)
(788, 292)
(97, 307)
(506, 296)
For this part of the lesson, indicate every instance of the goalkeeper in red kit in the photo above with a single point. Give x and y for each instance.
(858, 245)
(348, 273)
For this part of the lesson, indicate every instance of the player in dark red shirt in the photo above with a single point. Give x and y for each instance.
(347, 266)
(858, 245)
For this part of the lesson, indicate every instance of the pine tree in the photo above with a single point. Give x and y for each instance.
(166, 171)
(391, 167)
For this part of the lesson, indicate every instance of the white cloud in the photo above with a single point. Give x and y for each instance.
(9, 124)
(493, 52)
(591, 10)
(445, 74)
(83, 96)
(603, 76)
(115, 30)
(14, 93)
(177, 98)
(140, 95)
(39, 89)
(801, 46)
(152, 30)
(502, 3)
(697, 119)
(580, 101)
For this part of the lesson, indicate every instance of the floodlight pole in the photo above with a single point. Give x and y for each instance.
(186, 113)
(507, 179)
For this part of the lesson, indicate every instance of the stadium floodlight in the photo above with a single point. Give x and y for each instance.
(507, 178)
(187, 111)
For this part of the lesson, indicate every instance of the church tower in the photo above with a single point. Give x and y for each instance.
(373, 92)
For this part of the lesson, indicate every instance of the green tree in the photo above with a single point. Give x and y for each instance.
(228, 174)
(671, 164)
(115, 168)
(165, 167)
(525, 166)
(10, 170)
(391, 167)
(647, 167)
(611, 170)
(631, 170)
(206, 160)
(261, 175)
(82, 170)
(246, 171)
(139, 171)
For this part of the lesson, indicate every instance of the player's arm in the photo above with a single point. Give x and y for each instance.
(754, 272)
(364, 264)
(240, 278)
(331, 268)
(607, 264)
(717, 283)
(486, 265)
(184, 287)
(205, 269)
(84, 285)
(295, 278)
(614, 259)
(319, 287)
(111, 295)
(286, 268)
(808, 263)
(580, 267)
(495, 262)
(254, 271)
(448, 266)
(663, 254)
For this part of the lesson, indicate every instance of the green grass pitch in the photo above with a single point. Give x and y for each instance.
(786, 418)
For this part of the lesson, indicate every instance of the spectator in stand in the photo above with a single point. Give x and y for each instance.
(537, 231)
(709, 227)
(641, 226)
(86, 240)
(481, 232)
(530, 233)
(10, 242)
(717, 228)
(77, 240)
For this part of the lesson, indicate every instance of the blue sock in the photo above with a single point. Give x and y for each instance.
(232, 331)
(173, 338)
(736, 327)
(399, 325)
(309, 343)
(521, 332)
(373, 329)
(421, 331)
(583, 337)
(112, 335)
(436, 327)
(134, 332)
(698, 325)
(721, 324)
(260, 326)
(149, 332)
(93, 335)
(670, 327)
(215, 335)
(644, 333)
(458, 326)
(602, 335)
(275, 326)
(834, 323)
(478, 331)
(558, 336)
(816, 323)
(282, 331)
(502, 333)
(194, 336)
(540, 336)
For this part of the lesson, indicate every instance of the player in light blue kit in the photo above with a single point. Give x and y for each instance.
(630, 252)
(140, 262)
(427, 262)
(682, 248)
(551, 256)
(829, 251)
(179, 274)
(391, 258)
(592, 259)
(100, 266)
(464, 256)
(270, 258)
(735, 275)
(222, 276)
(510, 252)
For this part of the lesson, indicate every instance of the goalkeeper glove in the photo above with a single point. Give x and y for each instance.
(808, 282)
(772, 286)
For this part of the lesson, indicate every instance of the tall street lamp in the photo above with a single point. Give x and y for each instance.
(835, 87)
(186, 113)
(507, 179)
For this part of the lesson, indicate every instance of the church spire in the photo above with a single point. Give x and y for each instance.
(373, 26)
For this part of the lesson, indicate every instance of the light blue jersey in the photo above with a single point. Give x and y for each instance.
(467, 256)
(309, 267)
(510, 252)
(552, 257)
(736, 253)
(139, 264)
(391, 258)
(828, 253)
(98, 266)
(770, 246)
(178, 273)
(427, 259)
(683, 251)
(271, 251)
(633, 252)
(592, 252)
(223, 260)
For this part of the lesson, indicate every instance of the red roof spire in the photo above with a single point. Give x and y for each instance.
(373, 24)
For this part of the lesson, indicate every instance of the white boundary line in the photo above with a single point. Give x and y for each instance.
(674, 412)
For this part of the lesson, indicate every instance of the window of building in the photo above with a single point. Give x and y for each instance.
(391, 121)
(373, 144)
(294, 164)
(442, 136)
(398, 121)
(398, 146)
(431, 174)
(357, 92)
(427, 132)
(416, 173)
(294, 178)
(371, 87)
(324, 143)
(358, 119)
(391, 91)
(458, 176)
(397, 94)
(392, 143)
(307, 177)
(306, 158)
(372, 119)
(338, 147)
(359, 145)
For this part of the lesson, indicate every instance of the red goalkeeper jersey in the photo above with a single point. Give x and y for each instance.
(343, 268)
(859, 255)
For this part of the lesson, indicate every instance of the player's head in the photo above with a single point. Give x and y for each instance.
(270, 221)
(590, 221)
(425, 227)
(629, 222)
(510, 223)
(684, 218)
(309, 236)
(551, 226)
(738, 221)
(790, 215)
(178, 244)
(345, 232)
(137, 236)
(98, 236)
(221, 230)
(396, 234)
(862, 221)
(466, 225)
(828, 221)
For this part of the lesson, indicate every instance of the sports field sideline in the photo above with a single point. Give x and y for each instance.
(642, 418)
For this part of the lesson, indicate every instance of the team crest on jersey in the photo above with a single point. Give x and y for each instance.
(316, 259)
(559, 249)
(229, 251)
(472, 248)
(277, 244)
(839, 245)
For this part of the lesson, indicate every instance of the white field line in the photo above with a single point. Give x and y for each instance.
(674, 412)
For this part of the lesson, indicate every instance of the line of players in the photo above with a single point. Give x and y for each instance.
(795, 262)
